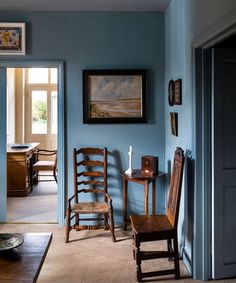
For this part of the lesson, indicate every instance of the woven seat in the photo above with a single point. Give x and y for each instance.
(90, 207)
(90, 182)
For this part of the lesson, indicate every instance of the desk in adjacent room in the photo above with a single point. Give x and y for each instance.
(138, 177)
(19, 161)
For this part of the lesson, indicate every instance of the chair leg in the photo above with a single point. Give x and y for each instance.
(170, 249)
(133, 245)
(106, 225)
(138, 258)
(112, 228)
(37, 178)
(55, 176)
(176, 258)
(68, 226)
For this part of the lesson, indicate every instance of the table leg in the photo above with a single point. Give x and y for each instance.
(146, 197)
(125, 185)
(153, 197)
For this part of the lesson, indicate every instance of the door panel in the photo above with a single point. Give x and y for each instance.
(224, 164)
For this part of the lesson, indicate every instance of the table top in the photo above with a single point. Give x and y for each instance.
(24, 263)
(137, 174)
(22, 148)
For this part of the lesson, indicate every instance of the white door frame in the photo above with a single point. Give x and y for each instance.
(222, 29)
(61, 141)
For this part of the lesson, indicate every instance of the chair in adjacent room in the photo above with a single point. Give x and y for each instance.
(146, 228)
(91, 201)
(40, 164)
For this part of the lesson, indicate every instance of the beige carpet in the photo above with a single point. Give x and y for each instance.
(92, 257)
(39, 206)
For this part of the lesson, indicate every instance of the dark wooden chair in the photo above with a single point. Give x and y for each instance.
(147, 228)
(90, 192)
(40, 164)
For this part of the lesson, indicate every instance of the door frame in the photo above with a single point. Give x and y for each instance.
(61, 134)
(201, 63)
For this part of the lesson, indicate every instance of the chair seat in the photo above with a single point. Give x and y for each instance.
(44, 165)
(90, 207)
(145, 224)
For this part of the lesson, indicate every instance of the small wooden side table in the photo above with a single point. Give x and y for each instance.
(139, 178)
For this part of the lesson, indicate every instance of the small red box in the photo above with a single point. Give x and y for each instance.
(149, 165)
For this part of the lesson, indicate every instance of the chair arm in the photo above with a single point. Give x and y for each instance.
(70, 199)
(109, 199)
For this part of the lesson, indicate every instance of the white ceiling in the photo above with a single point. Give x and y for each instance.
(85, 5)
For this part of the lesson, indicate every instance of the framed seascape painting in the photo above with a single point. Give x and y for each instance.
(12, 38)
(114, 96)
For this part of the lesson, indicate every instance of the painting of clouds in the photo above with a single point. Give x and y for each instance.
(115, 96)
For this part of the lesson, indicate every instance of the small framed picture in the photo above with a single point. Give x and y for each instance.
(174, 123)
(171, 92)
(12, 38)
(178, 92)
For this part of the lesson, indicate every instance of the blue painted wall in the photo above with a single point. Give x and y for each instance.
(185, 20)
(108, 40)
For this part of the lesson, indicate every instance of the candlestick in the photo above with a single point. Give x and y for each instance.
(129, 171)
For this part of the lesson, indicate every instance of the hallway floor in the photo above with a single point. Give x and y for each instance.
(92, 257)
(38, 207)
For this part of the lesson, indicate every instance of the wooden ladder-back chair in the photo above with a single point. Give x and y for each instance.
(90, 181)
(147, 228)
(40, 164)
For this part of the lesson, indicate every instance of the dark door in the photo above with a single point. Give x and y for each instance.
(224, 163)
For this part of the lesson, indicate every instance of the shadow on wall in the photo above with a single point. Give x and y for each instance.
(188, 193)
(114, 169)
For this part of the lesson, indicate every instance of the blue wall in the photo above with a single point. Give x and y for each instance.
(108, 40)
(185, 21)
(175, 62)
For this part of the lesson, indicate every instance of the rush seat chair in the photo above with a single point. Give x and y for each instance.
(91, 201)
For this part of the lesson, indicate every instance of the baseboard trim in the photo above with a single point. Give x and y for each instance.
(187, 261)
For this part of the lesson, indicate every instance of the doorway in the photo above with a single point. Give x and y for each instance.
(223, 159)
(60, 135)
(31, 119)
(215, 76)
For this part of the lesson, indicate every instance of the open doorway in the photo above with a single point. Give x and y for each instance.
(32, 103)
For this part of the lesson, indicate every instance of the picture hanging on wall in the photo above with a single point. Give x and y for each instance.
(114, 96)
(178, 92)
(174, 123)
(171, 92)
(12, 38)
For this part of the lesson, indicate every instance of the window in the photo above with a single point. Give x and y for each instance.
(41, 87)
(39, 112)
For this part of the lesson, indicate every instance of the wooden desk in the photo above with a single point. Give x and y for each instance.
(19, 163)
(24, 263)
(139, 178)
